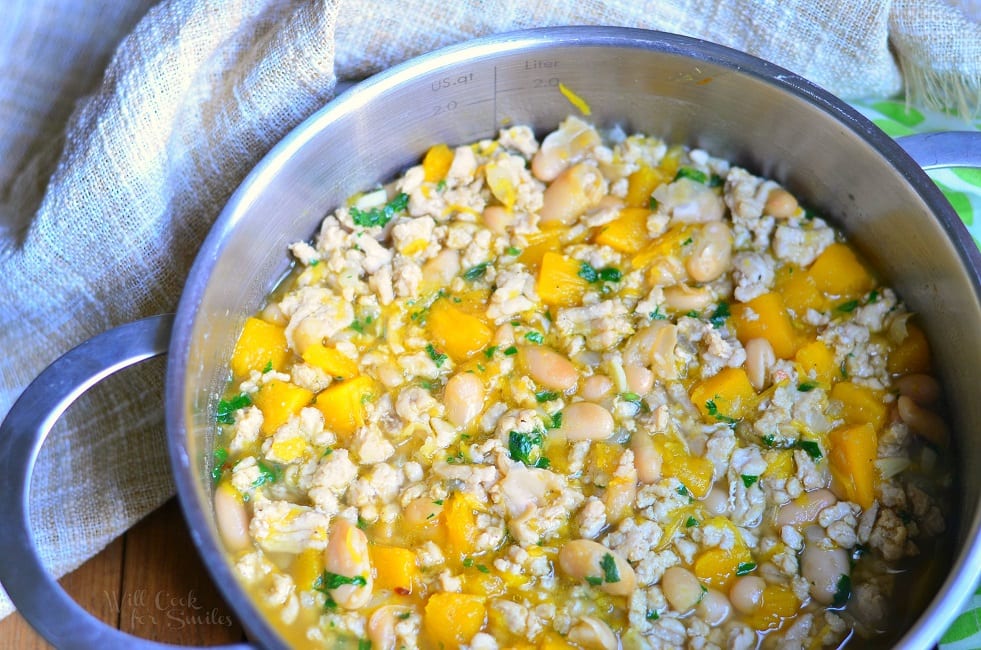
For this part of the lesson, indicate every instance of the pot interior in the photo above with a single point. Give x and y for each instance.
(737, 107)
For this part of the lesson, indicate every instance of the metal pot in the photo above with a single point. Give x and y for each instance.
(684, 90)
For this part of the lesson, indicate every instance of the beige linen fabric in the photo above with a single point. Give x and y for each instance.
(124, 126)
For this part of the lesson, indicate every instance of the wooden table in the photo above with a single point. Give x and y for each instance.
(150, 582)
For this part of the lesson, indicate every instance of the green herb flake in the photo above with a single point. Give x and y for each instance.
(513, 252)
(556, 420)
(712, 409)
(594, 580)
(438, 357)
(811, 447)
(327, 581)
(588, 273)
(652, 204)
(873, 296)
(745, 568)
(843, 591)
(441, 185)
(313, 263)
(527, 448)
(769, 440)
(535, 337)
(683, 491)
(220, 456)
(468, 562)
(609, 566)
(806, 386)
(225, 413)
(687, 241)
(483, 568)
(362, 524)
(489, 352)
(691, 522)
(610, 274)
(511, 351)
(357, 326)
(475, 272)
(267, 474)
(545, 396)
(377, 217)
(657, 314)
(719, 316)
(749, 479)
(847, 307)
(267, 368)
(403, 616)
(716, 181)
(364, 644)
(692, 173)
(652, 615)
(630, 397)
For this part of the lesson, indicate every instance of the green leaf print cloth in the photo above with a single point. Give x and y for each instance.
(962, 187)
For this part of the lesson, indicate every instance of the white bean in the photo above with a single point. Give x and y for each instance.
(683, 298)
(759, 359)
(640, 380)
(780, 204)
(421, 512)
(921, 421)
(593, 634)
(711, 254)
(922, 389)
(548, 367)
(347, 555)
(667, 270)
(805, 508)
(654, 346)
(583, 559)
(498, 219)
(823, 569)
(681, 588)
(381, 626)
(231, 518)
(596, 387)
(577, 189)
(714, 608)
(504, 335)
(647, 459)
(567, 144)
(746, 593)
(440, 270)
(586, 421)
(463, 398)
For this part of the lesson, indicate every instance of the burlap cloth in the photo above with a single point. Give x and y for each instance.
(124, 127)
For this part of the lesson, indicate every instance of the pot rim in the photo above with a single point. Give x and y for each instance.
(965, 571)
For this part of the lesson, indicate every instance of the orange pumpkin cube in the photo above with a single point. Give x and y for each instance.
(852, 463)
(838, 272)
(278, 401)
(261, 345)
(559, 283)
(726, 396)
(766, 317)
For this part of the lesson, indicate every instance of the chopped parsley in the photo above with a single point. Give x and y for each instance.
(226, 408)
(745, 568)
(749, 479)
(609, 566)
(588, 273)
(657, 314)
(716, 181)
(811, 447)
(691, 522)
(267, 474)
(403, 616)
(328, 580)
(847, 307)
(556, 420)
(527, 448)
(543, 396)
(692, 173)
(438, 357)
(359, 326)
(872, 297)
(652, 204)
(220, 457)
(652, 615)
(380, 216)
(769, 440)
(594, 580)
(475, 272)
(268, 367)
(630, 397)
(489, 352)
(687, 241)
(610, 274)
(535, 337)
(511, 351)
(691, 314)
(843, 591)
(365, 644)
(719, 316)
(806, 386)
(683, 491)
(512, 251)
(713, 409)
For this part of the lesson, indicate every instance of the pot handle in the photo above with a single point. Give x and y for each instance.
(944, 149)
(40, 599)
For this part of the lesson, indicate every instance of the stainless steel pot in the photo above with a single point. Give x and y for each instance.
(736, 106)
